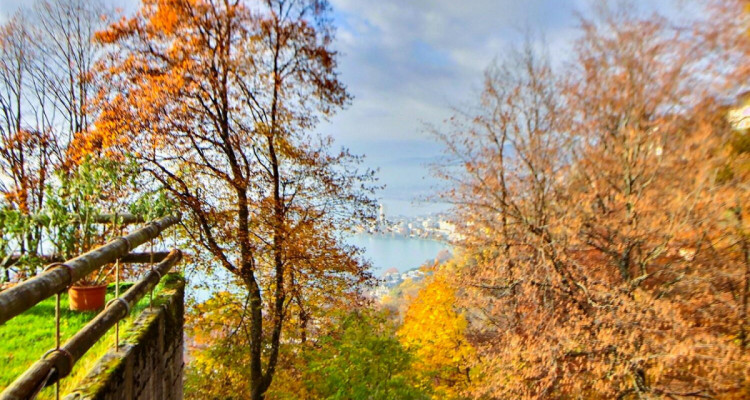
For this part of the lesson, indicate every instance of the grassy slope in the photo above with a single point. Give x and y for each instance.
(25, 338)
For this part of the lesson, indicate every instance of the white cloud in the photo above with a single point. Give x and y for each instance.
(408, 62)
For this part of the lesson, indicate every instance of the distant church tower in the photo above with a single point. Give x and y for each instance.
(381, 217)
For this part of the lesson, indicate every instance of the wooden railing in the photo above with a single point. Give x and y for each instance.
(58, 362)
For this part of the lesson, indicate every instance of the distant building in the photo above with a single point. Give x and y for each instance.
(382, 224)
(402, 229)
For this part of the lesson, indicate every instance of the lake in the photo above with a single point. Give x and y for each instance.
(402, 253)
(383, 251)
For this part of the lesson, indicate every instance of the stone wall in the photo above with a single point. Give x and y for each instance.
(150, 361)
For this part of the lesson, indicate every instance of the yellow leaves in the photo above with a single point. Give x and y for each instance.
(434, 331)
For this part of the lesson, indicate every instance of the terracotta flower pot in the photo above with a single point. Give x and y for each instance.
(87, 298)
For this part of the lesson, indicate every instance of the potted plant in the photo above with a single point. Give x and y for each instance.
(70, 215)
(88, 294)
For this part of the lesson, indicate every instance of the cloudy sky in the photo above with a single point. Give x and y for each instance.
(410, 63)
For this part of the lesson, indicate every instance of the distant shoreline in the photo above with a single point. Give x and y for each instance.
(435, 238)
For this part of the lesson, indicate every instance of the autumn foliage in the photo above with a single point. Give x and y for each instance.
(601, 200)
(216, 101)
(47, 88)
(603, 213)
(434, 330)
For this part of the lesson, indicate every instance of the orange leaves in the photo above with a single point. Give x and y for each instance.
(215, 102)
(605, 257)
(166, 17)
(18, 198)
(116, 31)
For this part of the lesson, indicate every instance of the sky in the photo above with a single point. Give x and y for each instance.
(411, 63)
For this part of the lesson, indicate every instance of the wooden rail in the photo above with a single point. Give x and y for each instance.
(60, 362)
(130, 258)
(118, 219)
(28, 293)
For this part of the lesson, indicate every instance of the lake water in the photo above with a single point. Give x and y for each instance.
(383, 251)
(402, 253)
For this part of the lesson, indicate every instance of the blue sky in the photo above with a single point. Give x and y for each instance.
(410, 63)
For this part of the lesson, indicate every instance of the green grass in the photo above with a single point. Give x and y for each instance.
(25, 338)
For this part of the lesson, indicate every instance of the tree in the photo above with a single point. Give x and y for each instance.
(361, 359)
(224, 94)
(434, 331)
(63, 77)
(24, 151)
(46, 80)
(600, 262)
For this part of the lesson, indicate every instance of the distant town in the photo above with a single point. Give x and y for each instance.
(433, 226)
(392, 278)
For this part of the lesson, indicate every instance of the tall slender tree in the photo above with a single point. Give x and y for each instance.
(217, 99)
(46, 82)
(63, 39)
(17, 141)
